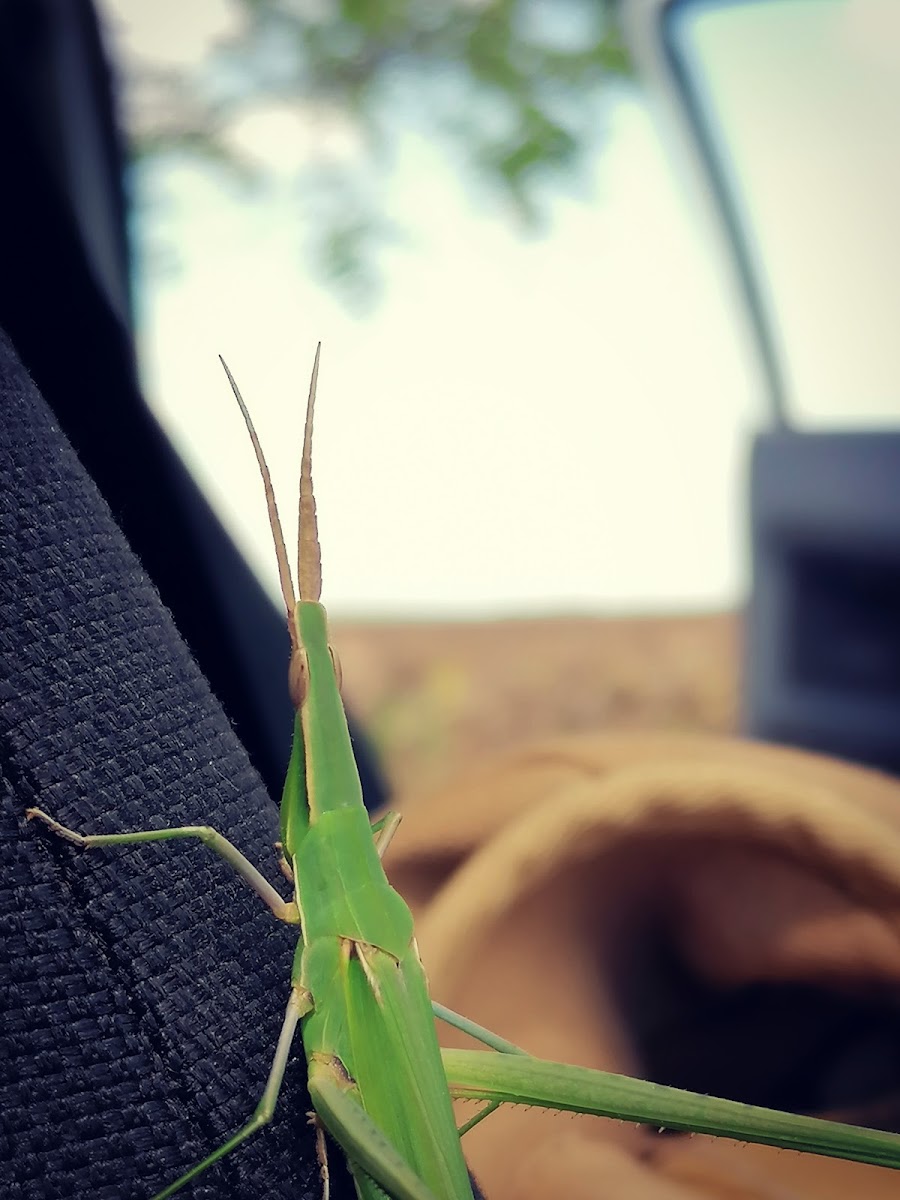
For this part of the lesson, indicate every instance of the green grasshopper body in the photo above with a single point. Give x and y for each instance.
(377, 1078)
(358, 990)
(357, 967)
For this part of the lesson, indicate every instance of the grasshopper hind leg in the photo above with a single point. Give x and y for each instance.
(373, 1158)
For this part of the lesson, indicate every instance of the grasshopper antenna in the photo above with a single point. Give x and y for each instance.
(284, 570)
(309, 554)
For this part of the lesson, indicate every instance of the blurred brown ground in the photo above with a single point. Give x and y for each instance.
(436, 697)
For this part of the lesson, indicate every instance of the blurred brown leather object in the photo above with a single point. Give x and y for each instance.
(708, 912)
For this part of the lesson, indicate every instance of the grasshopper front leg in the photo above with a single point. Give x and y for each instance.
(284, 910)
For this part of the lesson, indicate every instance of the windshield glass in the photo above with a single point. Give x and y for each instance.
(801, 104)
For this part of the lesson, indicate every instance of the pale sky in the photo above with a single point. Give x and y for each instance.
(521, 426)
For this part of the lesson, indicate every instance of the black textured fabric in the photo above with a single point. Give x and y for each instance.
(143, 988)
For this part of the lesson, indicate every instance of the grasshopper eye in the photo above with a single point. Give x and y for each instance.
(298, 677)
(336, 663)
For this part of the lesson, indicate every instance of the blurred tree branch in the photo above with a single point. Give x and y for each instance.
(508, 88)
